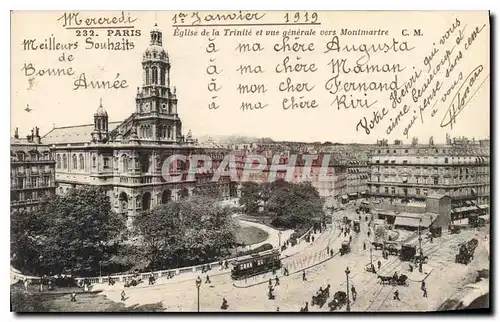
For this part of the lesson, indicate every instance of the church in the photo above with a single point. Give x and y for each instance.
(125, 158)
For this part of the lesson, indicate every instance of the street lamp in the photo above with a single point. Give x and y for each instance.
(279, 238)
(420, 246)
(198, 284)
(347, 271)
(371, 260)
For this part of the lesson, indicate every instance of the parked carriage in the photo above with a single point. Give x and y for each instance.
(339, 299)
(436, 231)
(407, 252)
(255, 264)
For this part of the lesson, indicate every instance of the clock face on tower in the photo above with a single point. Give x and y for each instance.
(146, 108)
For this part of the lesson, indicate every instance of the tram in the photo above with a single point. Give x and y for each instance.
(255, 264)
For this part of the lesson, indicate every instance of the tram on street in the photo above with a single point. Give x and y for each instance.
(255, 264)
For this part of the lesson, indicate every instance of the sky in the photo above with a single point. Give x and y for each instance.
(55, 102)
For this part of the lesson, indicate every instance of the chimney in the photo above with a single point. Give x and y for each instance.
(36, 138)
(16, 134)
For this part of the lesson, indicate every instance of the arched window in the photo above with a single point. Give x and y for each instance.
(65, 161)
(147, 76)
(93, 161)
(82, 165)
(154, 75)
(124, 163)
(169, 132)
(73, 158)
(162, 76)
(21, 156)
(58, 161)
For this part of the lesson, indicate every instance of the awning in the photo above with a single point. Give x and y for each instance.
(352, 194)
(412, 222)
(485, 216)
(483, 206)
(363, 192)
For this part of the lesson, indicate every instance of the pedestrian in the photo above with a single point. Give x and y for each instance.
(411, 268)
(331, 252)
(41, 285)
(425, 292)
(422, 286)
(277, 280)
(353, 292)
(26, 284)
(304, 276)
(396, 295)
(278, 309)
(432, 239)
(208, 280)
(224, 305)
(123, 295)
(306, 308)
(327, 249)
(227, 264)
(379, 264)
(270, 283)
(73, 296)
(350, 238)
(364, 246)
(312, 238)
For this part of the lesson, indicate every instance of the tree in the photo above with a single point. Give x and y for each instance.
(72, 234)
(250, 197)
(295, 204)
(188, 231)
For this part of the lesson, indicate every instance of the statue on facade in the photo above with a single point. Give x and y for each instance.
(431, 140)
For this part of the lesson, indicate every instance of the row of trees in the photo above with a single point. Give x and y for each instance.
(79, 234)
(290, 205)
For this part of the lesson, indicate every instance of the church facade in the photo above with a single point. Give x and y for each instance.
(126, 158)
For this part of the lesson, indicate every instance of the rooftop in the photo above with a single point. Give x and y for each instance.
(73, 134)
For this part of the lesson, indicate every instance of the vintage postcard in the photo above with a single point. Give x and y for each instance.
(250, 161)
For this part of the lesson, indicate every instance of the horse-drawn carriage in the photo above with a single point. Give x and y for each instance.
(321, 296)
(133, 282)
(420, 258)
(345, 248)
(391, 247)
(475, 221)
(454, 229)
(401, 280)
(339, 299)
(378, 245)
